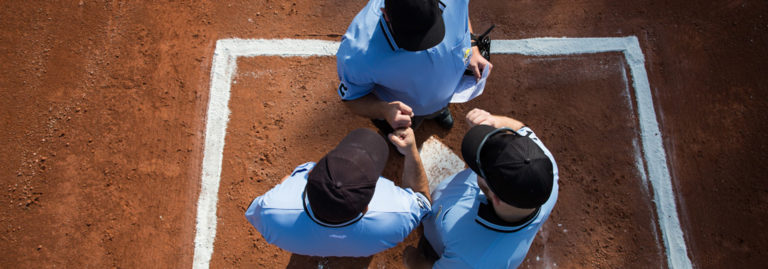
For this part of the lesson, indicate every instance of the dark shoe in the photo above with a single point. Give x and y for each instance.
(445, 119)
(383, 126)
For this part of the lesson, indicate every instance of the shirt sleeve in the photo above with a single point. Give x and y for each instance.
(355, 81)
(424, 206)
(255, 211)
(303, 167)
(253, 214)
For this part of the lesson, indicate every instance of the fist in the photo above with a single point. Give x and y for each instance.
(399, 115)
(404, 140)
(478, 116)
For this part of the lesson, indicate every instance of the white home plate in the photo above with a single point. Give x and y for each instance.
(439, 161)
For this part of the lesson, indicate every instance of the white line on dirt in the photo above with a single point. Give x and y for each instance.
(225, 64)
(222, 71)
(655, 155)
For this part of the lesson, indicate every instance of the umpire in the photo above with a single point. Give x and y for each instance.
(341, 206)
(488, 215)
(404, 58)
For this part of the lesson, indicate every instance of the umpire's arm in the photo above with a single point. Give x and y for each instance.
(414, 176)
(478, 116)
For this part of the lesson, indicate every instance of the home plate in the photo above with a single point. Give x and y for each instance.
(439, 161)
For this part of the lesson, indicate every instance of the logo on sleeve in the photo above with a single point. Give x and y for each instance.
(343, 89)
(422, 204)
(467, 52)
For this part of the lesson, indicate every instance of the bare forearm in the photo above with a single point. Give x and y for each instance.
(475, 49)
(368, 106)
(469, 24)
(414, 176)
(502, 121)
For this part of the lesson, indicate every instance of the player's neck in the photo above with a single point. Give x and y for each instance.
(510, 213)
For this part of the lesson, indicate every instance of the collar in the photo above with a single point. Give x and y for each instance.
(388, 35)
(488, 219)
(308, 210)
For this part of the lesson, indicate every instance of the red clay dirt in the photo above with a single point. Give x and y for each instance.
(103, 108)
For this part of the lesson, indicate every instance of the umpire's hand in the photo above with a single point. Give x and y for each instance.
(405, 141)
(398, 115)
(477, 63)
(478, 116)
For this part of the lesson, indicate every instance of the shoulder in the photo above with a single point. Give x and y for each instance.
(391, 198)
(287, 195)
(455, 10)
(358, 37)
(527, 131)
(457, 184)
(305, 167)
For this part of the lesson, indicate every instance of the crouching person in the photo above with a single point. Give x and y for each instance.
(341, 205)
(488, 215)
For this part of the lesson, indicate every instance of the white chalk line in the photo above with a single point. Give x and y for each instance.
(225, 63)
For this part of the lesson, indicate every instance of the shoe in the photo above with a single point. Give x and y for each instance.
(383, 126)
(445, 119)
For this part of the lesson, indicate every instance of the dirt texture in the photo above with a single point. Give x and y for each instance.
(103, 108)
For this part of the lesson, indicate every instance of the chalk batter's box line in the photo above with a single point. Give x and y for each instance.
(225, 64)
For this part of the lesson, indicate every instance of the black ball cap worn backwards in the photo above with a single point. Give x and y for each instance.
(416, 24)
(342, 183)
(514, 167)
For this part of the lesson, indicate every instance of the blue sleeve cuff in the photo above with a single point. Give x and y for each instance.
(424, 205)
(349, 91)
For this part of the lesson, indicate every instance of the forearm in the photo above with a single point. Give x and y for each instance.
(414, 176)
(368, 106)
(502, 121)
(469, 24)
(475, 49)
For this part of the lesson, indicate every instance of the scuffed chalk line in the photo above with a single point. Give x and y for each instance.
(225, 64)
(279, 47)
(653, 148)
(222, 71)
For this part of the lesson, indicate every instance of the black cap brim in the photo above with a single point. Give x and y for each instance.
(470, 145)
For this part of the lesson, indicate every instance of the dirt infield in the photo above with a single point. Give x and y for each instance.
(104, 104)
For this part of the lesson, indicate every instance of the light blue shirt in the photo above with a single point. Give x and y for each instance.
(368, 60)
(466, 234)
(284, 218)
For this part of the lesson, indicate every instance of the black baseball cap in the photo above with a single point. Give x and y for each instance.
(416, 24)
(342, 183)
(515, 167)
